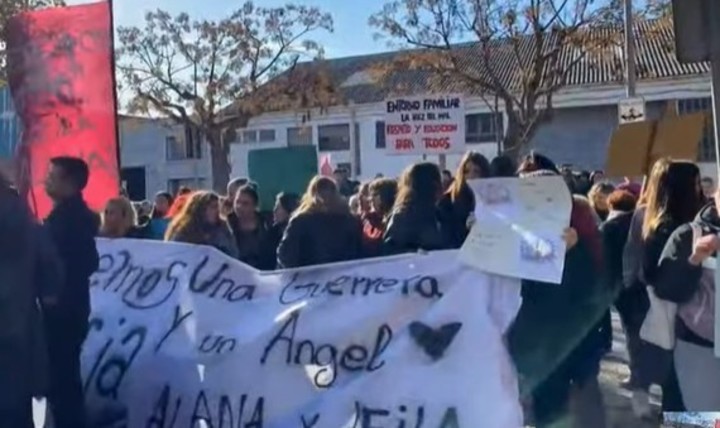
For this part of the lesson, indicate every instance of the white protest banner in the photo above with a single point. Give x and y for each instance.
(518, 227)
(431, 124)
(183, 336)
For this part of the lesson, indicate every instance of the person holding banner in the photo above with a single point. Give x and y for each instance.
(322, 229)
(382, 198)
(157, 226)
(73, 227)
(199, 223)
(285, 205)
(119, 219)
(414, 223)
(249, 230)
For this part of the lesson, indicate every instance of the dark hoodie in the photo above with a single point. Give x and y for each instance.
(677, 280)
(556, 339)
(453, 216)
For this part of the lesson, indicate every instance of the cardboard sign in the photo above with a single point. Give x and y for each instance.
(634, 147)
(183, 336)
(678, 137)
(432, 124)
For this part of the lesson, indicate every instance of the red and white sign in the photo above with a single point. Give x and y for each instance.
(430, 124)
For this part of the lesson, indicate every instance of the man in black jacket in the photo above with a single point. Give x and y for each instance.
(73, 227)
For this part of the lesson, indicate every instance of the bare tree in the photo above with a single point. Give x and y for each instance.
(520, 52)
(658, 8)
(211, 76)
(10, 8)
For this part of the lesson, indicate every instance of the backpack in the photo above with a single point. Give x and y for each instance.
(698, 314)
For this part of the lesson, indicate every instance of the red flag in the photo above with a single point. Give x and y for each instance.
(326, 167)
(717, 423)
(61, 75)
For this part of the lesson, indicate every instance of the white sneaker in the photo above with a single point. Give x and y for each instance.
(641, 404)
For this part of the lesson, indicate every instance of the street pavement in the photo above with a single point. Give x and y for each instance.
(614, 371)
(617, 400)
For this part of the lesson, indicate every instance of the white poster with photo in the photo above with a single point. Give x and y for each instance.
(518, 229)
(430, 124)
(183, 336)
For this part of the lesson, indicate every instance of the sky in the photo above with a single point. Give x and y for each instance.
(352, 35)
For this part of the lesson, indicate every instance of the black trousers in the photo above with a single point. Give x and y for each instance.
(17, 415)
(66, 401)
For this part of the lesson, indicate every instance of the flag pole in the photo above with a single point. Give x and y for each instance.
(114, 88)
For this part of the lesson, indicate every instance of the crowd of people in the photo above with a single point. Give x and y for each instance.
(637, 248)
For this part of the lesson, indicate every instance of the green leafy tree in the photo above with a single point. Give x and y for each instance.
(212, 76)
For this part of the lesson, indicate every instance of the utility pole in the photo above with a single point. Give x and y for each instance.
(630, 69)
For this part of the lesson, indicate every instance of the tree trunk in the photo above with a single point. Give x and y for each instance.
(511, 146)
(514, 145)
(220, 163)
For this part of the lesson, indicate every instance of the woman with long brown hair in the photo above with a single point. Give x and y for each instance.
(670, 197)
(458, 204)
(675, 199)
(199, 223)
(321, 230)
(635, 300)
(414, 223)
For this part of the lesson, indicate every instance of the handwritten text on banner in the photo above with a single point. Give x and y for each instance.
(432, 124)
(182, 334)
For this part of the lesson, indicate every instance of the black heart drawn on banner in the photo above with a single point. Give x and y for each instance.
(434, 341)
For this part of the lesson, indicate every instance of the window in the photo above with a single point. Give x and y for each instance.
(300, 136)
(357, 152)
(250, 136)
(707, 144)
(380, 135)
(174, 148)
(333, 138)
(193, 143)
(189, 147)
(266, 135)
(481, 127)
(193, 183)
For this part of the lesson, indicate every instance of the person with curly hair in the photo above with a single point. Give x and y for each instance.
(199, 223)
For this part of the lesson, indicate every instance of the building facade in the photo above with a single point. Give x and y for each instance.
(583, 121)
(160, 155)
(578, 134)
